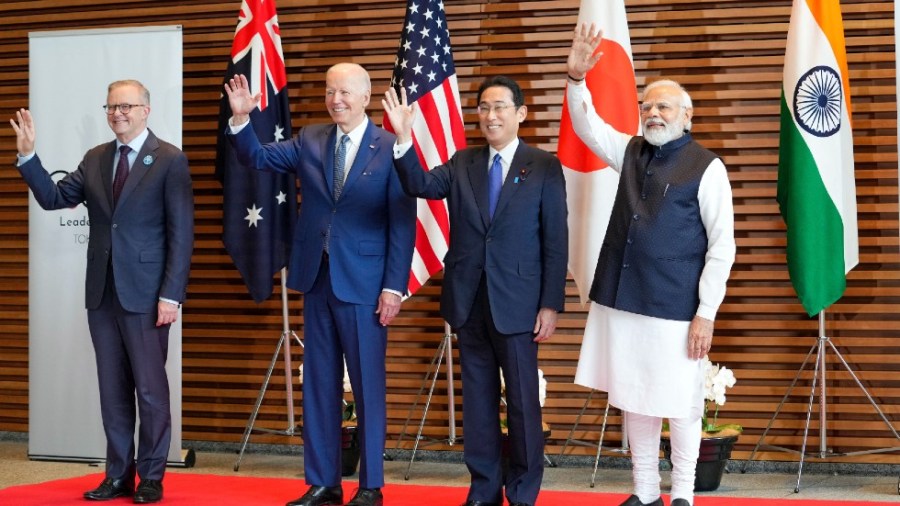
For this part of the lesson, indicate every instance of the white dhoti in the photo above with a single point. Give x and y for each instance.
(642, 362)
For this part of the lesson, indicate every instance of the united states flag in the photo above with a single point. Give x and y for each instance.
(259, 207)
(424, 68)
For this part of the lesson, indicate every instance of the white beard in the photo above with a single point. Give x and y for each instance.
(658, 137)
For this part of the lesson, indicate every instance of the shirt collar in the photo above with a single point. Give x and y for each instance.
(137, 143)
(506, 153)
(357, 133)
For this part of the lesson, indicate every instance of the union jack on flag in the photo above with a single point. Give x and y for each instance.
(424, 68)
(260, 208)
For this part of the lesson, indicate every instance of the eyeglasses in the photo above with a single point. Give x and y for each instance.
(485, 109)
(662, 107)
(123, 108)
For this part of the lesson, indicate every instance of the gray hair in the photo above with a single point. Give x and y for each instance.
(145, 93)
(685, 97)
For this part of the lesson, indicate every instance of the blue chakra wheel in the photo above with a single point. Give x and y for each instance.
(817, 101)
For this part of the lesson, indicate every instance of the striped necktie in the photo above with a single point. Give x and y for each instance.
(340, 158)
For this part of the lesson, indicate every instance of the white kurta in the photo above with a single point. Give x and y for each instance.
(640, 360)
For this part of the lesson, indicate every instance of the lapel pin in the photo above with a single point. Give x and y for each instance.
(148, 160)
(522, 175)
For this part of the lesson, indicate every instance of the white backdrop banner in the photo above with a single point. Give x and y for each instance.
(69, 74)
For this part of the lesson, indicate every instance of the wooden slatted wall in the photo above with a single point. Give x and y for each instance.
(728, 53)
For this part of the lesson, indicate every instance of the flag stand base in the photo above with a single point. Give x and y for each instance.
(823, 343)
(578, 442)
(283, 342)
(444, 351)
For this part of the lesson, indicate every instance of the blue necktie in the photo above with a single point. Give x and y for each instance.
(121, 173)
(495, 182)
(340, 158)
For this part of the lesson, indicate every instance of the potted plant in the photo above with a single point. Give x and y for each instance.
(718, 439)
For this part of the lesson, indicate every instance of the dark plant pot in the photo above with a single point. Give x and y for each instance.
(714, 455)
(349, 450)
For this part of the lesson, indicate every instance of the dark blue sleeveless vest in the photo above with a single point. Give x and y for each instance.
(655, 246)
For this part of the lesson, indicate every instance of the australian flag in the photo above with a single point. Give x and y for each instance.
(259, 207)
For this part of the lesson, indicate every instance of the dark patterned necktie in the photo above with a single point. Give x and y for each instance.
(495, 182)
(121, 173)
(340, 158)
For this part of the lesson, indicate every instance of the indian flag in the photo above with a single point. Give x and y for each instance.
(590, 185)
(816, 186)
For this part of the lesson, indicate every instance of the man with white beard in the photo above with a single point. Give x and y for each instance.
(660, 277)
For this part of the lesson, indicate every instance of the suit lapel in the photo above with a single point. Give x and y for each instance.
(478, 176)
(515, 178)
(106, 170)
(142, 164)
(329, 141)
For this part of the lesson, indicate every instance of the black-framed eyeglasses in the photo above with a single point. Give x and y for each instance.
(123, 108)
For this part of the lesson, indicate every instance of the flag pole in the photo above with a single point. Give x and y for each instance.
(284, 342)
(823, 343)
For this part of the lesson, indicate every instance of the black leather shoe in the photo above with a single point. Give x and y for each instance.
(110, 489)
(519, 504)
(367, 497)
(148, 491)
(320, 496)
(680, 502)
(634, 501)
(480, 503)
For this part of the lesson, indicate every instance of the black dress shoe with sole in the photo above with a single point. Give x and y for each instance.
(320, 496)
(367, 497)
(148, 492)
(635, 501)
(110, 488)
(680, 502)
(480, 503)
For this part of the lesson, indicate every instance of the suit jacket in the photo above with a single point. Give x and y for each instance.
(522, 251)
(372, 225)
(149, 236)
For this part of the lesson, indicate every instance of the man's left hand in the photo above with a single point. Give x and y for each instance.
(699, 337)
(545, 324)
(166, 313)
(388, 307)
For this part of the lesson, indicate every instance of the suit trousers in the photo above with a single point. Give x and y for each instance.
(131, 354)
(483, 350)
(334, 331)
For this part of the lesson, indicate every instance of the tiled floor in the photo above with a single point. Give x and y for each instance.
(855, 483)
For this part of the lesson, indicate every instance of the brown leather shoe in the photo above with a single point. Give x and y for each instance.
(148, 492)
(111, 488)
(367, 497)
(320, 496)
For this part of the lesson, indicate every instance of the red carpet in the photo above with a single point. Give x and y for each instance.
(184, 489)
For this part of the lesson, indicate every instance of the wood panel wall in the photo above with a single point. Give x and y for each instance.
(729, 55)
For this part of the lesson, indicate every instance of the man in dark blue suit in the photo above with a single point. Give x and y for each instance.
(504, 279)
(137, 190)
(351, 256)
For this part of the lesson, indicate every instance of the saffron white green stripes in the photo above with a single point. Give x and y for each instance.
(816, 186)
